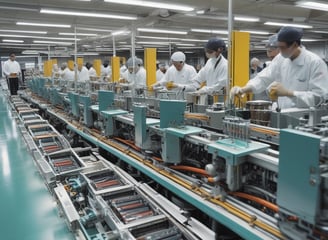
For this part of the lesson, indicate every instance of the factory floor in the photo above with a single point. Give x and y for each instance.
(28, 211)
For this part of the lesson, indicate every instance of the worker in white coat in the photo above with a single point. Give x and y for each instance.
(65, 73)
(12, 70)
(92, 71)
(215, 71)
(295, 78)
(135, 75)
(82, 73)
(178, 77)
(106, 70)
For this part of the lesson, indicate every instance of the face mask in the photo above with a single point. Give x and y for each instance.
(212, 55)
(105, 65)
(287, 54)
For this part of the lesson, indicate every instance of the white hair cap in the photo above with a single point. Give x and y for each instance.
(178, 57)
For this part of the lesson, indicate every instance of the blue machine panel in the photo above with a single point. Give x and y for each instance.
(172, 113)
(299, 174)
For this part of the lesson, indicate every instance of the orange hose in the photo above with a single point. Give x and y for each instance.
(261, 201)
(128, 142)
(190, 169)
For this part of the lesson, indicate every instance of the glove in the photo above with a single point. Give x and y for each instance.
(202, 91)
(235, 91)
(170, 85)
(155, 85)
(277, 89)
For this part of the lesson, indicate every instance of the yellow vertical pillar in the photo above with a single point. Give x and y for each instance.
(115, 69)
(150, 65)
(70, 64)
(47, 67)
(97, 66)
(239, 62)
(79, 61)
(54, 61)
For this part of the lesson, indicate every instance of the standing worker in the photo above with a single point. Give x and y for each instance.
(12, 70)
(295, 78)
(215, 72)
(272, 49)
(178, 77)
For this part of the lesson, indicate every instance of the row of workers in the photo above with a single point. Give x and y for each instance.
(296, 77)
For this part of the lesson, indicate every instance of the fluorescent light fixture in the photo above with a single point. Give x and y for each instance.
(123, 32)
(288, 24)
(171, 38)
(22, 31)
(43, 24)
(313, 5)
(313, 40)
(185, 44)
(38, 37)
(209, 31)
(86, 54)
(318, 31)
(94, 29)
(88, 14)
(247, 19)
(155, 30)
(78, 34)
(256, 32)
(12, 41)
(153, 4)
(53, 42)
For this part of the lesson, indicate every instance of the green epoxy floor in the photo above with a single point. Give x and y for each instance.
(27, 209)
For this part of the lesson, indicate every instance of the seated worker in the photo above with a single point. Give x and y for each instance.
(135, 75)
(295, 78)
(179, 75)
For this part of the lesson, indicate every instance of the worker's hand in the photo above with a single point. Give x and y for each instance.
(202, 91)
(155, 85)
(277, 89)
(170, 85)
(236, 91)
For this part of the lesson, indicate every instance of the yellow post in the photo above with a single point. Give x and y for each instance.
(70, 64)
(115, 69)
(47, 67)
(97, 66)
(54, 61)
(150, 65)
(79, 61)
(239, 63)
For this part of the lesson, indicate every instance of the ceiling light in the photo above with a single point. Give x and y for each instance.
(256, 32)
(78, 34)
(22, 31)
(247, 19)
(53, 42)
(12, 41)
(94, 29)
(317, 31)
(155, 43)
(313, 40)
(43, 24)
(154, 30)
(154, 4)
(123, 32)
(38, 37)
(88, 14)
(312, 5)
(288, 24)
(185, 44)
(209, 31)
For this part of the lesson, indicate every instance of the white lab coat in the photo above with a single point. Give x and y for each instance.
(92, 72)
(215, 75)
(159, 75)
(11, 67)
(83, 75)
(106, 71)
(307, 76)
(137, 80)
(67, 74)
(181, 78)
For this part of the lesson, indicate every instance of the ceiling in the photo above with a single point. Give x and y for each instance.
(207, 15)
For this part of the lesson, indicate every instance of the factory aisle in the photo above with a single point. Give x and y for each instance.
(28, 211)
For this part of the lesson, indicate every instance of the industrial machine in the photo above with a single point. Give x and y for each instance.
(250, 174)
